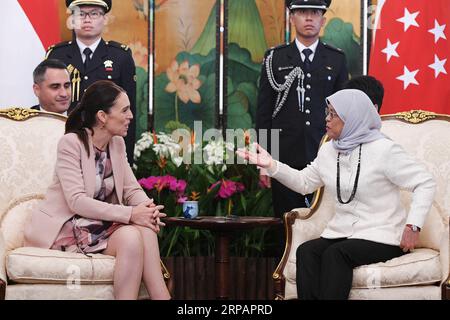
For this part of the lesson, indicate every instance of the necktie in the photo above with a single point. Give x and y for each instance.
(307, 52)
(87, 52)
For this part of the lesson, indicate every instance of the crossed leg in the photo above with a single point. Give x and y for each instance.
(137, 258)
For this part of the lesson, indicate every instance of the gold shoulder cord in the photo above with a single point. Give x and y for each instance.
(78, 85)
(76, 80)
(73, 84)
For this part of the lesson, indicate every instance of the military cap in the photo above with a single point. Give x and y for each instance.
(309, 4)
(106, 4)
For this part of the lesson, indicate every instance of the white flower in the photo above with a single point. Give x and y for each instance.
(217, 152)
(161, 150)
(144, 142)
(177, 161)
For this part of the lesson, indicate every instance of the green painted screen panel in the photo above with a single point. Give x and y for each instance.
(185, 65)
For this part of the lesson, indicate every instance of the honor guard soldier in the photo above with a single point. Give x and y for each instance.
(295, 79)
(89, 58)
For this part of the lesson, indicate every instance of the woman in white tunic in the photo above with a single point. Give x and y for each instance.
(365, 171)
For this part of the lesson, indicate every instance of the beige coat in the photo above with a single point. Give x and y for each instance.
(72, 191)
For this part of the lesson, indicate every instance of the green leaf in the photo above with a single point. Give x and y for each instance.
(246, 28)
(238, 116)
(341, 34)
(251, 92)
(241, 68)
(141, 101)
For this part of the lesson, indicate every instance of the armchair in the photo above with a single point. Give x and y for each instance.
(421, 274)
(28, 141)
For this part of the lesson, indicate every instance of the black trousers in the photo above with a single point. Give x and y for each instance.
(325, 266)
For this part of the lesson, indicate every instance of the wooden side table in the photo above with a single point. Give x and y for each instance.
(222, 228)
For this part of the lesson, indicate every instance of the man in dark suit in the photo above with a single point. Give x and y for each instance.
(52, 86)
(295, 80)
(89, 58)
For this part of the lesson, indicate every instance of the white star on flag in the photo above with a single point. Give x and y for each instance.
(409, 19)
(438, 66)
(438, 31)
(391, 50)
(410, 55)
(408, 77)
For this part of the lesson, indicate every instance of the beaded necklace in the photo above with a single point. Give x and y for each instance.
(355, 184)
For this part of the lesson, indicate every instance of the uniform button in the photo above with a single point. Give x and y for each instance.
(86, 77)
(308, 111)
(308, 75)
(285, 77)
(308, 123)
(308, 86)
(308, 99)
(84, 90)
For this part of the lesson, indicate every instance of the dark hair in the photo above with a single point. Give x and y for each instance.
(370, 86)
(39, 71)
(100, 95)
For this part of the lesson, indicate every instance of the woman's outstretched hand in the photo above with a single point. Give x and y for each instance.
(261, 158)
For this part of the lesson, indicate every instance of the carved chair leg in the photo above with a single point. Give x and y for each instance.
(2, 290)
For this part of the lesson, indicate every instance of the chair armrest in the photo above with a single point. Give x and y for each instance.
(2, 260)
(446, 259)
(3, 278)
(278, 276)
(301, 225)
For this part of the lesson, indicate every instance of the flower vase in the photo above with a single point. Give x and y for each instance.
(190, 209)
(229, 209)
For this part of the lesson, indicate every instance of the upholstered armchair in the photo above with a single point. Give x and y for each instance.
(421, 274)
(28, 141)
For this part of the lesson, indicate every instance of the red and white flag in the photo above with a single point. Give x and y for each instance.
(410, 55)
(27, 28)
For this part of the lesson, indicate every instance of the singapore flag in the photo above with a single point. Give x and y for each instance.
(27, 28)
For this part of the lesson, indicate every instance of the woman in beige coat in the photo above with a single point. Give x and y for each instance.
(95, 204)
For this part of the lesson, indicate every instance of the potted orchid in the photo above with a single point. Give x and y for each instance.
(220, 185)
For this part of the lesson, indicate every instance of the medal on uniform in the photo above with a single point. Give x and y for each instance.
(108, 68)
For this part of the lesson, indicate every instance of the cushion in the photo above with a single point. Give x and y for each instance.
(417, 268)
(397, 293)
(12, 224)
(36, 265)
(59, 292)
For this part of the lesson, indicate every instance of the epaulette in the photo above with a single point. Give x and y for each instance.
(284, 45)
(329, 46)
(272, 49)
(57, 45)
(119, 45)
